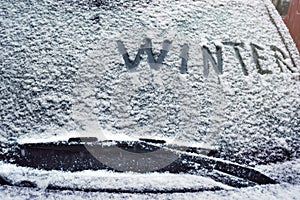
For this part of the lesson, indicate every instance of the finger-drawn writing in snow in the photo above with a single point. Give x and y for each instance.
(210, 56)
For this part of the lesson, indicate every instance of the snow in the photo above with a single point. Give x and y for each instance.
(283, 191)
(152, 181)
(62, 76)
(109, 180)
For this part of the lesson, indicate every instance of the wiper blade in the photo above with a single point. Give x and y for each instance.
(76, 156)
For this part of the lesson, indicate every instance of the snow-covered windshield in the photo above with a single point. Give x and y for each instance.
(220, 74)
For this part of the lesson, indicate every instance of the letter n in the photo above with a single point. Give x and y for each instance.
(208, 58)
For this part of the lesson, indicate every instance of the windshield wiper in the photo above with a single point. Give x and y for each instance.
(77, 155)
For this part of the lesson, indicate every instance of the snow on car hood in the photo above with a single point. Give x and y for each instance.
(103, 180)
(222, 73)
(153, 180)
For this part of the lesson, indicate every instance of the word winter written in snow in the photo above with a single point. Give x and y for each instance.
(208, 57)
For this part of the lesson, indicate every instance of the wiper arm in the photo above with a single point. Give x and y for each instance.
(154, 142)
(75, 155)
(189, 149)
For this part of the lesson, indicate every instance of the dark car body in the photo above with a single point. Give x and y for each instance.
(292, 20)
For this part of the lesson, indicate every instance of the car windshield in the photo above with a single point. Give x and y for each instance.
(219, 78)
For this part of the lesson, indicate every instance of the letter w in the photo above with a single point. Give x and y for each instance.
(156, 63)
(146, 48)
(129, 63)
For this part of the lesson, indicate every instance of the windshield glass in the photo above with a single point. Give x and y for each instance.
(215, 74)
